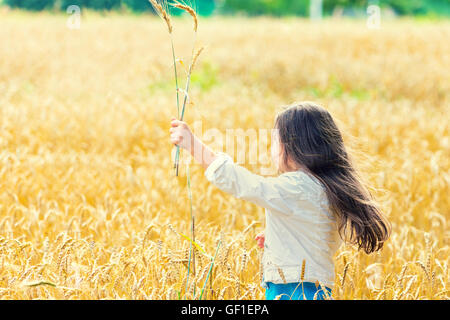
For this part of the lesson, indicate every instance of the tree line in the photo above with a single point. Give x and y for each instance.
(249, 7)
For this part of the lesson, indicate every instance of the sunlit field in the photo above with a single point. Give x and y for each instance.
(90, 207)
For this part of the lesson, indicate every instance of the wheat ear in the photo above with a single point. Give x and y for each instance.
(162, 13)
(199, 52)
(189, 10)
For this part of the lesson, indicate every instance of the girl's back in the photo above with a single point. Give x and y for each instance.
(303, 243)
(300, 228)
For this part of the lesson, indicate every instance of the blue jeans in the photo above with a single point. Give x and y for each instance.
(297, 291)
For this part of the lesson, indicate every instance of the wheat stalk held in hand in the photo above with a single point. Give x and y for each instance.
(188, 82)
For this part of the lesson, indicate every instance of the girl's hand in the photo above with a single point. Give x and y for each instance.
(181, 135)
(260, 238)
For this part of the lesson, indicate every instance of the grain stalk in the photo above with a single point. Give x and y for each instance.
(191, 250)
(194, 58)
(210, 269)
(302, 278)
(163, 11)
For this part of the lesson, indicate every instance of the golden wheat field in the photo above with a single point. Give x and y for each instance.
(90, 207)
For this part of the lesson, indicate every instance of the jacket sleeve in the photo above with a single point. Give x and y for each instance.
(275, 193)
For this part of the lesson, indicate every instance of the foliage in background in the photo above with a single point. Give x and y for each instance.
(301, 7)
(249, 7)
(275, 7)
(415, 7)
(138, 5)
(38, 5)
(35, 5)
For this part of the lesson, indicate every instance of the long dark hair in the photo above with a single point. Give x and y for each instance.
(311, 139)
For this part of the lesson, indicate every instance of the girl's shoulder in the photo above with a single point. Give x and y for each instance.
(304, 186)
(303, 182)
(301, 176)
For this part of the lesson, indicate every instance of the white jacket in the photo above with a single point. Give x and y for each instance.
(299, 223)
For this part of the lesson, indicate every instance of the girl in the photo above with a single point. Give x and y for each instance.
(316, 201)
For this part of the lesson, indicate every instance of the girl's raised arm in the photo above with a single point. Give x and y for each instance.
(271, 193)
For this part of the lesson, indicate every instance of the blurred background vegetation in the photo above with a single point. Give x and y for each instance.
(250, 7)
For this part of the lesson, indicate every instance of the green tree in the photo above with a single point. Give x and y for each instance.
(64, 4)
(407, 6)
(205, 7)
(329, 5)
(35, 5)
(250, 7)
(301, 7)
(138, 5)
(102, 4)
